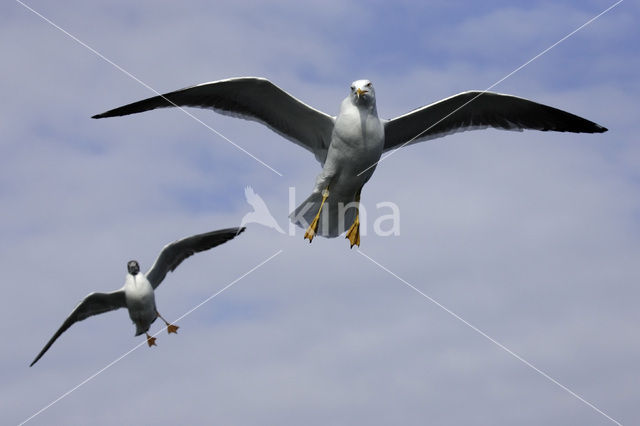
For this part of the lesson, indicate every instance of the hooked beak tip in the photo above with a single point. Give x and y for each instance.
(360, 92)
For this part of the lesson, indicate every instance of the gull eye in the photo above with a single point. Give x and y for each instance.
(353, 88)
(368, 85)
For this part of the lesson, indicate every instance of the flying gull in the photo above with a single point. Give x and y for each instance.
(350, 145)
(137, 295)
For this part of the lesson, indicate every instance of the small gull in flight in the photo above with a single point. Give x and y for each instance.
(350, 145)
(137, 295)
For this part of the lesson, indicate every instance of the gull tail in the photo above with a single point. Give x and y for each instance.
(336, 217)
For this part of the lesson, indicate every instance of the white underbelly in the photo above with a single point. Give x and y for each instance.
(142, 309)
(350, 165)
(141, 303)
(355, 149)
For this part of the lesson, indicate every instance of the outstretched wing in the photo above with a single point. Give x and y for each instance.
(250, 98)
(479, 110)
(173, 254)
(93, 304)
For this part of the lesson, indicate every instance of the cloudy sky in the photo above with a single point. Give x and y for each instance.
(530, 238)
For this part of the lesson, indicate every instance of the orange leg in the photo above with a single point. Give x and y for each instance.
(170, 327)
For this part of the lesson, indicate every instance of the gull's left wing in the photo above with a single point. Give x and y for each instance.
(174, 253)
(479, 110)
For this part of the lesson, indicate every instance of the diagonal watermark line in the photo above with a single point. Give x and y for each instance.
(491, 339)
(493, 85)
(100, 55)
(121, 357)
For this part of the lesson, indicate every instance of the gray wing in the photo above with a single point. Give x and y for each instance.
(253, 99)
(93, 304)
(173, 254)
(479, 110)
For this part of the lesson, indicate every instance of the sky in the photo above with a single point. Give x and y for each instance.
(508, 297)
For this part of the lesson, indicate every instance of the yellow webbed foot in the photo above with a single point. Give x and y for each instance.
(313, 228)
(353, 235)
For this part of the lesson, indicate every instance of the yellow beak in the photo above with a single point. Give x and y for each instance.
(360, 91)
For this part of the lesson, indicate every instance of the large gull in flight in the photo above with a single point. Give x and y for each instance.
(350, 145)
(138, 295)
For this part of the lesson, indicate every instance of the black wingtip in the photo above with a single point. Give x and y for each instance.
(589, 127)
(106, 114)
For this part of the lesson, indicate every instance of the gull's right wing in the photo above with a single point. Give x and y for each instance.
(250, 98)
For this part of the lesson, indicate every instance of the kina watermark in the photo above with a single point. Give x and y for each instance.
(334, 218)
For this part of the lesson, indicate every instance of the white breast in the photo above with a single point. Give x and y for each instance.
(137, 288)
(359, 127)
(140, 299)
(358, 139)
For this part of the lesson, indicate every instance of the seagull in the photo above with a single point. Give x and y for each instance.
(350, 145)
(260, 213)
(137, 295)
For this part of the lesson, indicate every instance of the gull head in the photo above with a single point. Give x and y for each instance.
(133, 267)
(362, 93)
